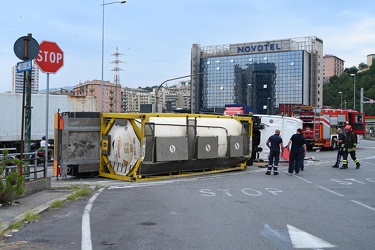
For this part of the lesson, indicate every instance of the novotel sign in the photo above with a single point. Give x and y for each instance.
(258, 48)
(274, 46)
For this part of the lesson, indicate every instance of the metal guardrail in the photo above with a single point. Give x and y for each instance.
(31, 169)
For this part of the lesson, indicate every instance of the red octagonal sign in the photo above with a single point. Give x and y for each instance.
(50, 58)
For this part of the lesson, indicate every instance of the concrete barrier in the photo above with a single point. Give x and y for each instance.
(31, 187)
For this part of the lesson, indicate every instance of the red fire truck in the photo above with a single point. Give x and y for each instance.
(320, 125)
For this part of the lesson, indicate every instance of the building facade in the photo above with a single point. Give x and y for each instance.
(167, 99)
(17, 80)
(333, 66)
(111, 93)
(259, 74)
(370, 59)
(133, 98)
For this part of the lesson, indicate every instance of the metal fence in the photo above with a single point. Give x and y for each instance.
(33, 167)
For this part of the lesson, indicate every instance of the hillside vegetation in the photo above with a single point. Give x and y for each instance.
(345, 84)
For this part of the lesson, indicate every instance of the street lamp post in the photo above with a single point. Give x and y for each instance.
(353, 91)
(345, 103)
(104, 4)
(340, 99)
(159, 87)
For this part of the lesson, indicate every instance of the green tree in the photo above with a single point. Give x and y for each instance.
(351, 70)
(345, 84)
(362, 66)
(11, 182)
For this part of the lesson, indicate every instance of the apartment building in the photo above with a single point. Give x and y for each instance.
(333, 66)
(18, 80)
(111, 93)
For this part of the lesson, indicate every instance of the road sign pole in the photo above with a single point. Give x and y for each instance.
(47, 111)
(26, 48)
(28, 113)
(20, 170)
(26, 108)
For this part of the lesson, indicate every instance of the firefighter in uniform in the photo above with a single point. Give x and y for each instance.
(297, 152)
(274, 143)
(340, 143)
(350, 145)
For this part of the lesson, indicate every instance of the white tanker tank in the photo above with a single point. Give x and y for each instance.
(143, 145)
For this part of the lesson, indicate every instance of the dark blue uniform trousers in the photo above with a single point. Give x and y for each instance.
(295, 160)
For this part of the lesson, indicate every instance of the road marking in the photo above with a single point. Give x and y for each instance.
(303, 179)
(302, 239)
(280, 239)
(297, 237)
(246, 191)
(251, 192)
(273, 191)
(86, 243)
(367, 163)
(363, 205)
(333, 192)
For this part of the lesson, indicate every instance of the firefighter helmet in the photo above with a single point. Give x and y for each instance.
(348, 127)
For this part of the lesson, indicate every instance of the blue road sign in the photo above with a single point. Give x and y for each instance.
(24, 66)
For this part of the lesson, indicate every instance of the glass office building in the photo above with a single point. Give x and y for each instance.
(262, 75)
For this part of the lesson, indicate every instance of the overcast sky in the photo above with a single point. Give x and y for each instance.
(155, 37)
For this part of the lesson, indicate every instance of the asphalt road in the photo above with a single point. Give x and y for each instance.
(321, 208)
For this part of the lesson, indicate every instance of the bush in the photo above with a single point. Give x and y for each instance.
(11, 182)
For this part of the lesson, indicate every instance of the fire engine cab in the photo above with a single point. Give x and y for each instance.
(320, 125)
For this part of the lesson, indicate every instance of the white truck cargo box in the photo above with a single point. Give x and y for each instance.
(287, 125)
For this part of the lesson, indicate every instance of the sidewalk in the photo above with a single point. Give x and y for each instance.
(37, 202)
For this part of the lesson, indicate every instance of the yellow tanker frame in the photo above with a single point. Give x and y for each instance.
(200, 144)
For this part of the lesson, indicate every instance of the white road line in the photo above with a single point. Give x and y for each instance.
(363, 205)
(333, 192)
(303, 179)
(368, 163)
(86, 231)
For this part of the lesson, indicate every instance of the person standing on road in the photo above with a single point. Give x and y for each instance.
(274, 143)
(303, 159)
(340, 140)
(350, 145)
(297, 152)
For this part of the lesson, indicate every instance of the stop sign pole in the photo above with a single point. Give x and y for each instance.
(49, 60)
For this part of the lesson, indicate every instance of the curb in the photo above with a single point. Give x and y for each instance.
(39, 209)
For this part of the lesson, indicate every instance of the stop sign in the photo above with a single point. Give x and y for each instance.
(50, 58)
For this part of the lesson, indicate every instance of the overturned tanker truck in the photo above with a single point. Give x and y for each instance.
(137, 147)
